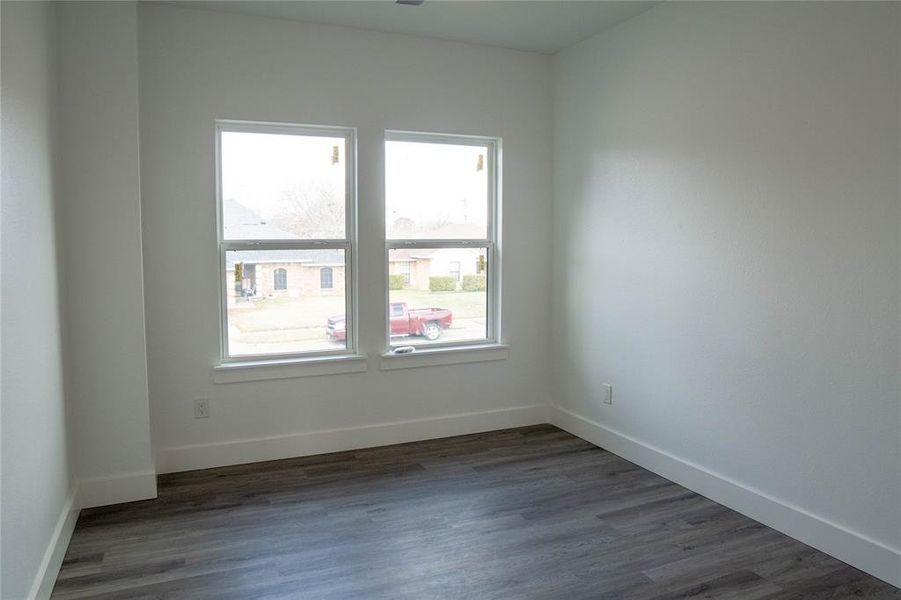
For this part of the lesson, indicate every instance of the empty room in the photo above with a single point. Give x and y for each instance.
(438, 300)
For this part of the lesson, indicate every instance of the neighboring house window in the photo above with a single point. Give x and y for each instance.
(455, 270)
(441, 205)
(280, 279)
(403, 268)
(286, 194)
(325, 278)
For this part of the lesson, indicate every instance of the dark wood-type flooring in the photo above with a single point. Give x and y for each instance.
(522, 513)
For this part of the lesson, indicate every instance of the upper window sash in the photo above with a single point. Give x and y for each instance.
(348, 137)
(489, 169)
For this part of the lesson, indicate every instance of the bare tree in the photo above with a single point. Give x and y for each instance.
(315, 211)
(436, 222)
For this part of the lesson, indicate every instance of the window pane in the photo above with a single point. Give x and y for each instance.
(438, 304)
(280, 186)
(276, 303)
(281, 279)
(436, 191)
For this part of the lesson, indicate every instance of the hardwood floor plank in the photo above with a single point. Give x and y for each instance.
(530, 513)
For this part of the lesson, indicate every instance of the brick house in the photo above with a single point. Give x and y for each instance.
(274, 273)
(288, 273)
(418, 265)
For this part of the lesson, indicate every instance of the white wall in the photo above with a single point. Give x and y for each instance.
(36, 481)
(726, 214)
(197, 66)
(102, 242)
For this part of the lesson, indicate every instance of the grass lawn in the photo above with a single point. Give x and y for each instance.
(283, 317)
(464, 305)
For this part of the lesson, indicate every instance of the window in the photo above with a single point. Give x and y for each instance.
(325, 278)
(441, 208)
(286, 197)
(455, 270)
(403, 268)
(280, 279)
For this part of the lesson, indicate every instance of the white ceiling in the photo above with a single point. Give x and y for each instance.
(532, 26)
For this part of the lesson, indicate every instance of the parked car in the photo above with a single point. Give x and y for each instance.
(429, 323)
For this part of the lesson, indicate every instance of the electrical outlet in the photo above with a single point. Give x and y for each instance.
(607, 393)
(201, 408)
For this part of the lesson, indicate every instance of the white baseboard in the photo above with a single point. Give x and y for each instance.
(204, 456)
(127, 487)
(849, 546)
(56, 550)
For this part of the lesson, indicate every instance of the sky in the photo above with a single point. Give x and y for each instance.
(426, 184)
(430, 183)
(258, 168)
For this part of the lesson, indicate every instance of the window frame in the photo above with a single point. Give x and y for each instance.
(331, 278)
(275, 279)
(347, 244)
(492, 241)
(457, 273)
(406, 271)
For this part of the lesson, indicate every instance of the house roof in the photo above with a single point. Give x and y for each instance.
(451, 231)
(324, 257)
(242, 223)
(408, 254)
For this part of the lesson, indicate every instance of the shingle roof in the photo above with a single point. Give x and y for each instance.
(407, 254)
(403, 254)
(242, 223)
(325, 257)
(451, 231)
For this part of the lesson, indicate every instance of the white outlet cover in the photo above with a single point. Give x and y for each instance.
(608, 393)
(201, 408)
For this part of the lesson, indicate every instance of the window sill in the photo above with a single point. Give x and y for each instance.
(432, 357)
(259, 370)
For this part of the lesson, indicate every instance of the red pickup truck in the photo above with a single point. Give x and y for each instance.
(427, 322)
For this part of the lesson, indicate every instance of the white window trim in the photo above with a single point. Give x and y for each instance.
(228, 364)
(237, 372)
(492, 243)
(449, 355)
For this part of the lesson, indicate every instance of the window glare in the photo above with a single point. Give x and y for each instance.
(282, 186)
(436, 191)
